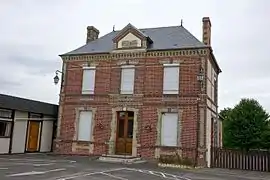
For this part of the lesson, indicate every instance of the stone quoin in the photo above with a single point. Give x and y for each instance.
(140, 92)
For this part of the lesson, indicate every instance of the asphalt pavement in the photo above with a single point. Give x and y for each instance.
(51, 167)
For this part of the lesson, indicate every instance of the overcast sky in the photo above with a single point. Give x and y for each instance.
(33, 33)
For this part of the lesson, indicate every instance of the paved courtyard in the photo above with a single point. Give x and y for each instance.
(47, 167)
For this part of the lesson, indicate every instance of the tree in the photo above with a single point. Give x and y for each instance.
(246, 126)
(265, 144)
(224, 114)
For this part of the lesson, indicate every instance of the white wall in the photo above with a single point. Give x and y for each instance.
(46, 136)
(4, 145)
(19, 132)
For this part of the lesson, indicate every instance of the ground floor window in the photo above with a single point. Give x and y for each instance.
(5, 128)
(85, 126)
(169, 129)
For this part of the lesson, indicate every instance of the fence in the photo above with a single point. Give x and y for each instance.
(236, 159)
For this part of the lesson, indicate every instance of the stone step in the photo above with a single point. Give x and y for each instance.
(120, 159)
(118, 156)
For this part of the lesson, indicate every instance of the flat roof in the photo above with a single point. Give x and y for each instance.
(22, 104)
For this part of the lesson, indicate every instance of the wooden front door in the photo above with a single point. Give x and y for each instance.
(124, 133)
(33, 136)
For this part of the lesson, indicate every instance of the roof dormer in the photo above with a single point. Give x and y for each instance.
(130, 38)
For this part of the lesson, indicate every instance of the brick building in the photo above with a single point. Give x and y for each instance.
(142, 92)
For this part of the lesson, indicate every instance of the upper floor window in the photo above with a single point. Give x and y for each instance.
(215, 90)
(171, 79)
(128, 44)
(133, 43)
(127, 79)
(88, 83)
(125, 44)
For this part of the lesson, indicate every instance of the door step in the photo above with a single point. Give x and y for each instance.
(124, 159)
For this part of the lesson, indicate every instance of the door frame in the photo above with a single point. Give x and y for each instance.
(28, 131)
(126, 119)
(112, 140)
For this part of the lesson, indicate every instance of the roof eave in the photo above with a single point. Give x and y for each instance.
(183, 48)
(214, 59)
(80, 54)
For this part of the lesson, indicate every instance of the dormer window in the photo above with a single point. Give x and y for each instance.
(130, 38)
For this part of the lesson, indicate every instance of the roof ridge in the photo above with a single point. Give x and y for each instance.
(159, 27)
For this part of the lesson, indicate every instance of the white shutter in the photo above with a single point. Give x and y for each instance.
(127, 80)
(88, 84)
(171, 79)
(169, 129)
(84, 128)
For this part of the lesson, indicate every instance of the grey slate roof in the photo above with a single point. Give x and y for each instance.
(17, 103)
(173, 37)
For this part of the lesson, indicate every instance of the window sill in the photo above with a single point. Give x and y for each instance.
(127, 93)
(87, 93)
(170, 92)
(164, 146)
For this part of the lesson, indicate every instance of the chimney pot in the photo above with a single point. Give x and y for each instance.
(206, 31)
(92, 34)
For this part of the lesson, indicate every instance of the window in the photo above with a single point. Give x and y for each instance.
(5, 113)
(134, 43)
(85, 126)
(88, 83)
(35, 116)
(215, 90)
(169, 129)
(129, 44)
(127, 79)
(125, 44)
(5, 128)
(171, 79)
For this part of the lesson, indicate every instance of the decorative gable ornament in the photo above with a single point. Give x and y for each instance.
(133, 43)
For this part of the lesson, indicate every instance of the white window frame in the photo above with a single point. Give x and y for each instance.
(131, 90)
(162, 131)
(90, 133)
(167, 90)
(89, 90)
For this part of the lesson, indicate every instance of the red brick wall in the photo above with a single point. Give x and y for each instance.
(148, 81)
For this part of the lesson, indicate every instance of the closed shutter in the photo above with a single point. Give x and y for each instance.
(169, 129)
(85, 126)
(171, 79)
(127, 80)
(88, 84)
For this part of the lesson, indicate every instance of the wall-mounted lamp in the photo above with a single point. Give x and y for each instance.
(56, 78)
(200, 76)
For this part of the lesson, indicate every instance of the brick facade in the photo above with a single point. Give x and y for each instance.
(148, 101)
(148, 97)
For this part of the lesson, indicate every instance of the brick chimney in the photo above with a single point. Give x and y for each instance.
(92, 34)
(206, 31)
